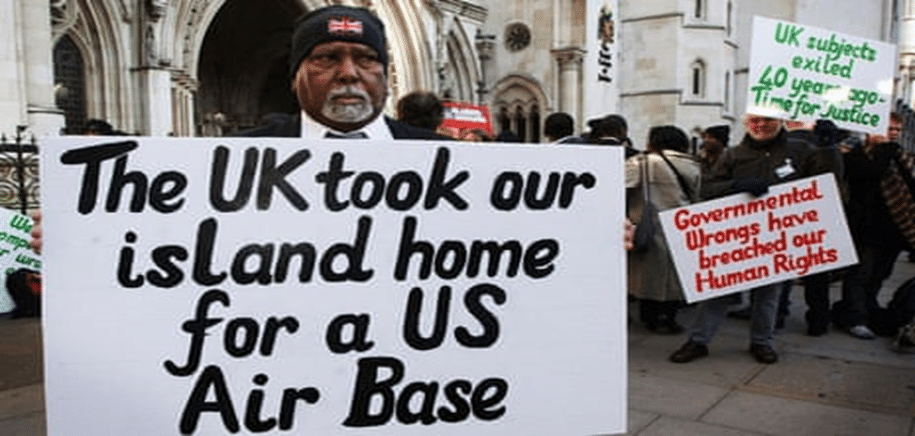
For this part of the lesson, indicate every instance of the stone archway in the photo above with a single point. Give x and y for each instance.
(242, 69)
(518, 103)
(241, 61)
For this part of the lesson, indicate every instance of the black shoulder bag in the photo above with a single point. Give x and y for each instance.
(682, 181)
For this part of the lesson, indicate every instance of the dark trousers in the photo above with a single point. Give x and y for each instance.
(652, 311)
(862, 282)
(816, 295)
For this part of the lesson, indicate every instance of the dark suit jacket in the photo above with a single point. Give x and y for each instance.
(291, 127)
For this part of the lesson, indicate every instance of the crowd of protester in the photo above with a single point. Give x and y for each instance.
(670, 172)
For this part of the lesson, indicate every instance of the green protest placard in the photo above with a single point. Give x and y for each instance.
(14, 251)
(806, 73)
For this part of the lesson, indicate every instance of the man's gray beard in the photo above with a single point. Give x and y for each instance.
(347, 113)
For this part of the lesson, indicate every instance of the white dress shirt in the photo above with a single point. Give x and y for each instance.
(377, 129)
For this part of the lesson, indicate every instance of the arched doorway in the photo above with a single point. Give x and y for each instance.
(243, 68)
(518, 102)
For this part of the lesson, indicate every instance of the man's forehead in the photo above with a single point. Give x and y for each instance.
(753, 118)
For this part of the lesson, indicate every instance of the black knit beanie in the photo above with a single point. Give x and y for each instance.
(336, 23)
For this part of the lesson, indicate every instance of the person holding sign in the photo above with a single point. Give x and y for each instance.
(338, 63)
(765, 156)
(878, 239)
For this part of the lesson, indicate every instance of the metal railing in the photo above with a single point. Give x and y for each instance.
(19, 172)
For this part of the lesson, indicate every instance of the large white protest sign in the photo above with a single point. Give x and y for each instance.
(280, 286)
(806, 73)
(740, 242)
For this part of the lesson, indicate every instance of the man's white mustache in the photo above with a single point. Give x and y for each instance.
(347, 92)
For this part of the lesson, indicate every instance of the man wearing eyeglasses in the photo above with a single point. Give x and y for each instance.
(765, 156)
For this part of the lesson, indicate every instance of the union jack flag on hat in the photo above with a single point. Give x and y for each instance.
(344, 25)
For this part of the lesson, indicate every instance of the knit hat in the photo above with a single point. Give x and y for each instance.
(336, 23)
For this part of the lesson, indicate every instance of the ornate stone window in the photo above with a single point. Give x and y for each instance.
(62, 17)
(697, 79)
(520, 123)
(505, 121)
(69, 82)
(728, 17)
(518, 101)
(534, 118)
(517, 36)
(699, 10)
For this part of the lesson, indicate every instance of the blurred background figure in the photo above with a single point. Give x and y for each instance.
(714, 140)
(421, 109)
(559, 128)
(507, 136)
(475, 135)
(97, 127)
(611, 130)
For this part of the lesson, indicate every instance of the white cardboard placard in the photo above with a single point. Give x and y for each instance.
(169, 244)
(800, 72)
(739, 242)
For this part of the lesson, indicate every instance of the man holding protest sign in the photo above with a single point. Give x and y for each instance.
(273, 326)
(765, 156)
(338, 64)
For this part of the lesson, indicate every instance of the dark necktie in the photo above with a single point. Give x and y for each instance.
(350, 135)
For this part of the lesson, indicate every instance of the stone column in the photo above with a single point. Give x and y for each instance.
(26, 69)
(906, 47)
(183, 90)
(570, 61)
(485, 44)
(153, 75)
(43, 116)
(12, 100)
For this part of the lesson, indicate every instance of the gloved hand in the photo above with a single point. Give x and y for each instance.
(753, 185)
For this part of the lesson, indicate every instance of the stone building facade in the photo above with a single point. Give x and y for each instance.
(211, 67)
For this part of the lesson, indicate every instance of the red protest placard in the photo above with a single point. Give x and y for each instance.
(462, 117)
(740, 242)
